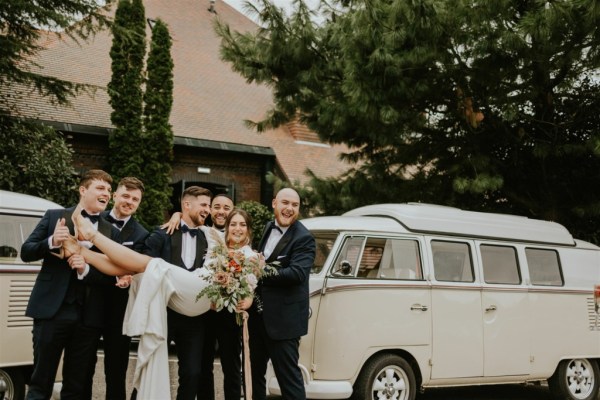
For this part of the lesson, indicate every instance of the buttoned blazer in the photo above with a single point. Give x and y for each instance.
(284, 296)
(55, 276)
(133, 235)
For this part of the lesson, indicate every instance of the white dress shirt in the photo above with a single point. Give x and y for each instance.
(273, 239)
(188, 248)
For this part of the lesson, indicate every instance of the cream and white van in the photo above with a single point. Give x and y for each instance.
(19, 214)
(406, 297)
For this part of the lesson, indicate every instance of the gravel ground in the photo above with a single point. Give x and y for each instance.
(99, 386)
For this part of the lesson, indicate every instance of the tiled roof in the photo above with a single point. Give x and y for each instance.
(210, 100)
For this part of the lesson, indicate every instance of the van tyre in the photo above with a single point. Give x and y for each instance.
(386, 376)
(576, 379)
(14, 383)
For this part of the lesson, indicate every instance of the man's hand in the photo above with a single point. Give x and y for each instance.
(76, 261)
(61, 233)
(173, 223)
(123, 281)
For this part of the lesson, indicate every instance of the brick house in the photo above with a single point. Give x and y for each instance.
(213, 148)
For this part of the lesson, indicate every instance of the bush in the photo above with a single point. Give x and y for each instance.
(36, 160)
(260, 215)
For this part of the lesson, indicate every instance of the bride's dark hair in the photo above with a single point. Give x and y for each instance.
(247, 219)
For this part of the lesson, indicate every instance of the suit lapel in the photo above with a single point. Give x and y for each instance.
(201, 245)
(176, 248)
(126, 231)
(105, 227)
(285, 239)
(265, 237)
(67, 215)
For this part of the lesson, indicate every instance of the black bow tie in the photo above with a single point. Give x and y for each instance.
(275, 228)
(93, 218)
(117, 222)
(192, 231)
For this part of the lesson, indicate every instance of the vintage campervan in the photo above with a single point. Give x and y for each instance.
(19, 214)
(406, 297)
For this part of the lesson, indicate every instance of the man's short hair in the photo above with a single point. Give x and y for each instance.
(132, 183)
(195, 191)
(222, 195)
(94, 174)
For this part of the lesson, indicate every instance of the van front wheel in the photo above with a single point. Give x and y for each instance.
(386, 377)
(575, 380)
(13, 383)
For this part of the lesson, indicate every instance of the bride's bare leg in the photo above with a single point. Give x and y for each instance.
(98, 260)
(117, 255)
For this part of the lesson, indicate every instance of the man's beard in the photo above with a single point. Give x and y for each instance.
(197, 219)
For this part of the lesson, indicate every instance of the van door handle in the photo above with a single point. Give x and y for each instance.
(491, 308)
(418, 307)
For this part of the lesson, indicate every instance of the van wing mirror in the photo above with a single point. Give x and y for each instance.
(345, 268)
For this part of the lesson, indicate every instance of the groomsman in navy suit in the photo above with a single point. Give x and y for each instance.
(275, 330)
(132, 234)
(67, 314)
(186, 247)
(221, 328)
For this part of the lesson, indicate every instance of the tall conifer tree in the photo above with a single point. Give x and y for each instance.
(158, 136)
(125, 89)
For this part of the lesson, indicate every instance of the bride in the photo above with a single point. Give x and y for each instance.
(155, 286)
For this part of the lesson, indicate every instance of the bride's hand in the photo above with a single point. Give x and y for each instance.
(84, 230)
(244, 304)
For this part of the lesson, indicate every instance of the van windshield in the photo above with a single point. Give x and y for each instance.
(14, 230)
(324, 242)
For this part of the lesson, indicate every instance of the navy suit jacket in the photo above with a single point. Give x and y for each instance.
(56, 278)
(168, 247)
(284, 296)
(133, 235)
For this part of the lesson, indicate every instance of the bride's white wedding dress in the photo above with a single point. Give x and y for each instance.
(162, 285)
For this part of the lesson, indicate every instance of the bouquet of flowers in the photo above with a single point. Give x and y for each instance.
(234, 274)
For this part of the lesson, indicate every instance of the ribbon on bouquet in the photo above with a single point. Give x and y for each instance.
(247, 368)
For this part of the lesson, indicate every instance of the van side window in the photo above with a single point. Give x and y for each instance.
(391, 259)
(14, 230)
(500, 264)
(452, 261)
(544, 267)
(400, 260)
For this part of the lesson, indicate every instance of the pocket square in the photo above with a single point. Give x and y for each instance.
(127, 243)
(280, 257)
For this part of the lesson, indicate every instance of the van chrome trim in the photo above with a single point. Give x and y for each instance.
(339, 288)
(561, 290)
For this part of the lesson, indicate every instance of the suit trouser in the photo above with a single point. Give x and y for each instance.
(116, 345)
(188, 335)
(50, 338)
(116, 359)
(283, 354)
(221, 328)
